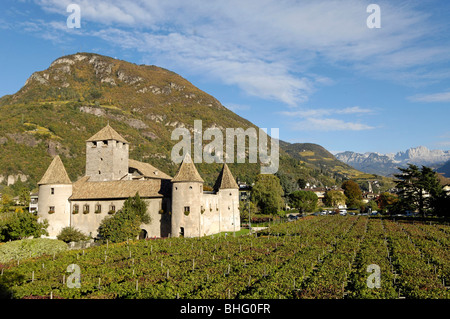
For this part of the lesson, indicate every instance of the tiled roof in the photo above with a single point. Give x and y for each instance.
(225, 179)
(107, 133)
(148, 170)
(83, 189)
(55, 174)
(187, 172)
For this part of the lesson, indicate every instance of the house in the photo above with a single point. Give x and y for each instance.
(33, 205)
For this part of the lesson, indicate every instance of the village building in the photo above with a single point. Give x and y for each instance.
(177, 206)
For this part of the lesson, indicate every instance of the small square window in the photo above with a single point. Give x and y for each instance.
(52, 191)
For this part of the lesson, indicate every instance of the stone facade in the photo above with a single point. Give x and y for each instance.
(177, 206)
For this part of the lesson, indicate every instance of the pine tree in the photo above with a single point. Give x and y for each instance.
(419, 188)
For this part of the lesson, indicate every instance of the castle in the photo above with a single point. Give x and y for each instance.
(177, 206)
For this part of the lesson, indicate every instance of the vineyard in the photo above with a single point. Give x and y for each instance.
(314, 257)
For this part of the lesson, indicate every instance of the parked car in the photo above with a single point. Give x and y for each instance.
(343, 212)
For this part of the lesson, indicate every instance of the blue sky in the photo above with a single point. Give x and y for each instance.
(313, 69)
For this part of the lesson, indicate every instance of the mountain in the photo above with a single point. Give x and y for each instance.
(444, 169)
(386, 164)
(59, 108)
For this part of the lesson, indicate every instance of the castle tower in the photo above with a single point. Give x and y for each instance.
(187, 191)
(228, 191)
(106, 156)
(55, 188)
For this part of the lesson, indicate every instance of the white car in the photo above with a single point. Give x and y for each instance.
(343, 212)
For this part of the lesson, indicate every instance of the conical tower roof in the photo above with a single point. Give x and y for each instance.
(187, 171)
(55, 174)
(225, 179)
(107, 133)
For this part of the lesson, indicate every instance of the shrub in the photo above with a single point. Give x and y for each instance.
(22, 225)
(125, 223)
(69, 234)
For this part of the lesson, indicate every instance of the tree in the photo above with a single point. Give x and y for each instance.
(6, 203)
(419, 188)
(386, 201)
(304, 201)
(370, 206)
(301, 183)
(139, 207)
(22, 225)
(267, 193)
(24, 197)
(353, 193)
(334, 198)
(125, 224)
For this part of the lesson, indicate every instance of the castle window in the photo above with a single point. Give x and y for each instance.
(75, 209)
(187, 210)
(99, 172)
(98, 209)
(94, 144)
(190, 187)
(105, 143)
(52, 191)
(86, 209)
(112, 209)
(51, 210)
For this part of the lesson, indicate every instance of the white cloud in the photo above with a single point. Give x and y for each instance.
(354, 110)
(319, 119)
(237, 107)
(329, 124)
(436, 97)
(268, 47)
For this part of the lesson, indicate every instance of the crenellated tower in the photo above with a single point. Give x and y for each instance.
(107, 156)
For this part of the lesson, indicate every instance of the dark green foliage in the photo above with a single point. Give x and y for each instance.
(353, 193)
(125, 224)
(267, 193)
(419, 190)
(69, 234)
(21, 225)
(386, 201)
(304, 201)
(334, 198)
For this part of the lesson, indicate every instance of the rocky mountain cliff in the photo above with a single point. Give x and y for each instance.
(59, 108)
(386, 164)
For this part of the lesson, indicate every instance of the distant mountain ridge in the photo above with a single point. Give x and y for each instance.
(386, 164)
